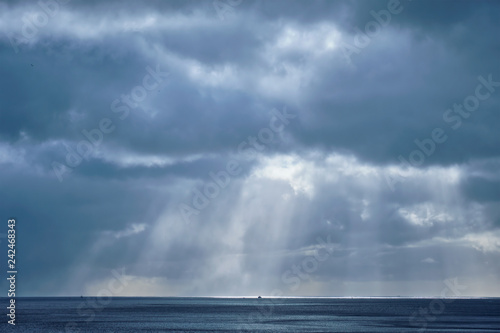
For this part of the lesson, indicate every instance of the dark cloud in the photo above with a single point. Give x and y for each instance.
(163, 100)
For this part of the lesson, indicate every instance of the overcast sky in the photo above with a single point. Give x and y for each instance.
(241, 147)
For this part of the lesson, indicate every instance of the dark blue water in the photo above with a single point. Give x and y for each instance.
(253, 315)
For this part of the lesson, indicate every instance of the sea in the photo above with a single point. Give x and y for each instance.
(251, 314)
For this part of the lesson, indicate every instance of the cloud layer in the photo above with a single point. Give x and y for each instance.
(329, 148)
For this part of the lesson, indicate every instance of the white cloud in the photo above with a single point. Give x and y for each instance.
(130, 230)
(426, 214)
(487, 242)
(429, 261)
(131, 159)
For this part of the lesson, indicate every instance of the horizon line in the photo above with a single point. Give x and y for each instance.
(264, 296)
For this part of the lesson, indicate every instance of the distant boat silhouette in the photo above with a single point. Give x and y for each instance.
(259, 297)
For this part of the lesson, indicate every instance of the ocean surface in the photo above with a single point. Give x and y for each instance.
(289, 315)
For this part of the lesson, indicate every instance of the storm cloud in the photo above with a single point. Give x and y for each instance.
(329, 148)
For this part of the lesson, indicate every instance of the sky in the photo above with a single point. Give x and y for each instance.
(246, 147)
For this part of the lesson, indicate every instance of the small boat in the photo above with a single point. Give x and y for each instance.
(259, 297)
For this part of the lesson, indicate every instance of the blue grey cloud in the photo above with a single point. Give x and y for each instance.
(203, 152)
